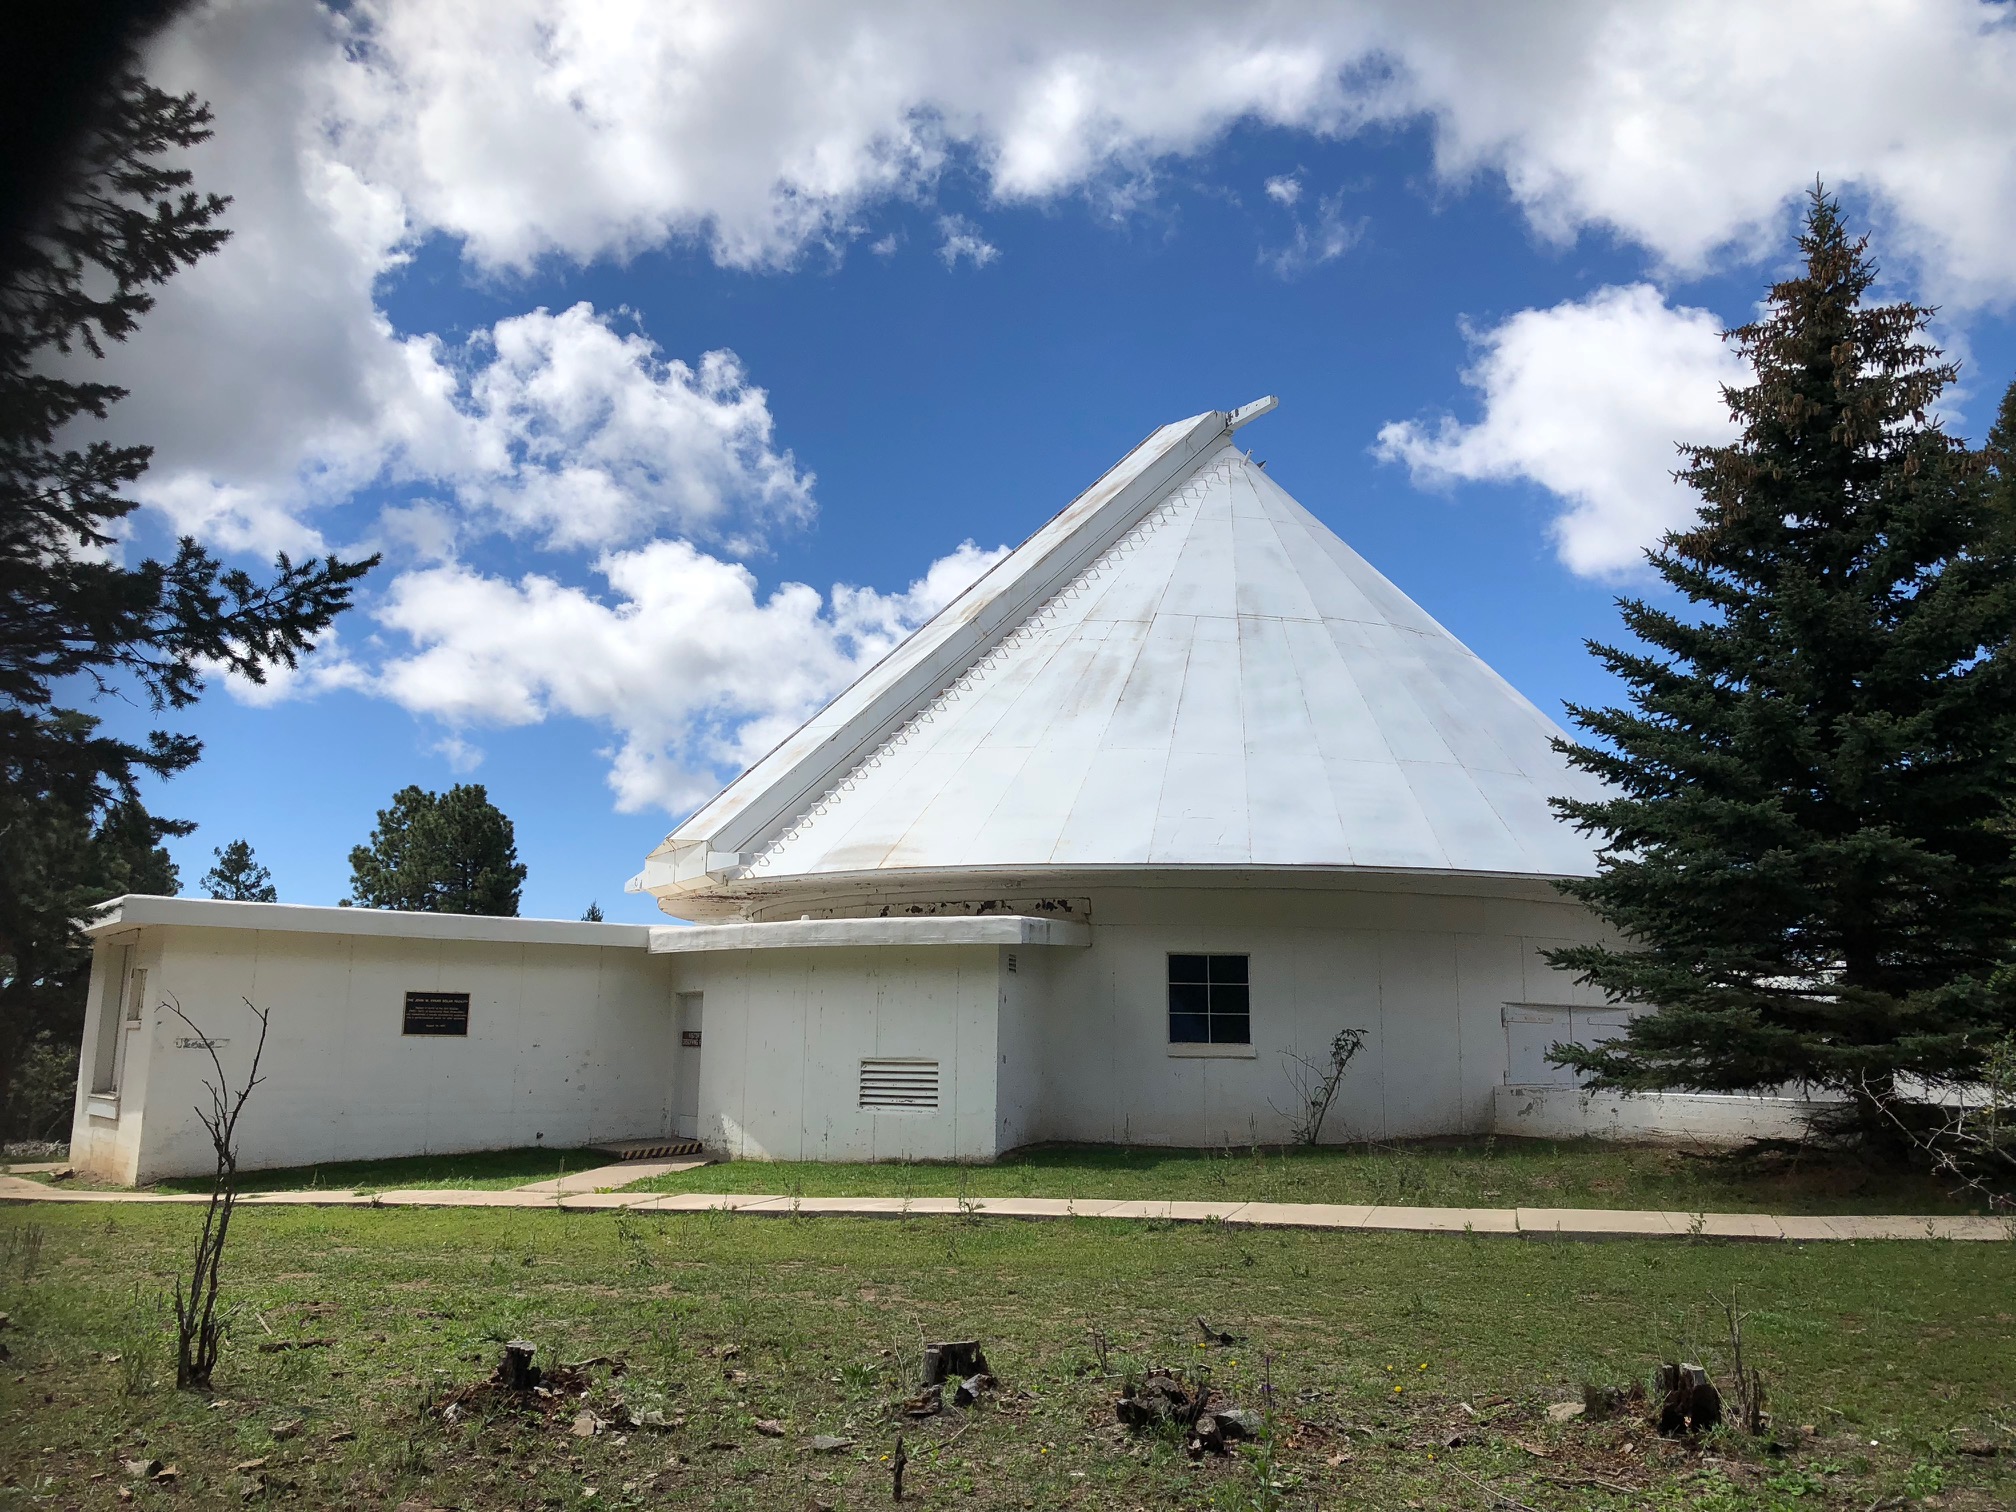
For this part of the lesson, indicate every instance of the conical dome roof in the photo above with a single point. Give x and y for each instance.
(1185, 669)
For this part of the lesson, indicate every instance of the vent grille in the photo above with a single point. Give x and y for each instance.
(900, 1086)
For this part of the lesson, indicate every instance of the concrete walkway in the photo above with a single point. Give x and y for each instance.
(609, 1177)
(583, 1192)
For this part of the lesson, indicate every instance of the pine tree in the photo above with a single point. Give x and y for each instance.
(78, 271)
(1799, 854)
(451, 852)
(238, 877)
(592, 914)
(56, 865)
(72, 613)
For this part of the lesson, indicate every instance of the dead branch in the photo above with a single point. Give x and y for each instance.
(1970, 1138)
(1749, 1388)
(199, 1328)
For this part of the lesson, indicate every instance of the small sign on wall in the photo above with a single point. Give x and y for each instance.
(436, 1013)
(689, 1039)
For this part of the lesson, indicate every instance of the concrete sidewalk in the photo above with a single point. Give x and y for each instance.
(580, 1194)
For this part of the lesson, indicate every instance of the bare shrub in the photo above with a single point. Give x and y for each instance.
(1315, 1082)
(1965, 1129)
(199, 1327)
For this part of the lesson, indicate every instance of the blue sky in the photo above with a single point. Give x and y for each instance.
(953, 299)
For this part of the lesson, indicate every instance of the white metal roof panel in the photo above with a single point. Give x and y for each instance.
(1222, 682)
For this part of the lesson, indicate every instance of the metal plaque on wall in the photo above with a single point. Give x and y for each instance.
(689, 1039)
(437, 1013)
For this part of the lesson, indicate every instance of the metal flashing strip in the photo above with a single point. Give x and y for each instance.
(827, 934)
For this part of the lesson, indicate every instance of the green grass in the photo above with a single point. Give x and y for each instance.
(1476, 1173)
(492, 1169)
(1893, 1353)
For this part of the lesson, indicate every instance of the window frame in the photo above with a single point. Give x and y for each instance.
(1214, 990)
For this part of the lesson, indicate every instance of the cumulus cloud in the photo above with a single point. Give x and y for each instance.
(591, 438)
(274, 384)
(693, 670)
(584, 127)
(1589, 400)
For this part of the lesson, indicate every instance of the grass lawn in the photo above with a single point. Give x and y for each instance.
(1407, 1371)
(1470, 1173)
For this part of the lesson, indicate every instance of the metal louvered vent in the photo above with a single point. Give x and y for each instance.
(899, 1086)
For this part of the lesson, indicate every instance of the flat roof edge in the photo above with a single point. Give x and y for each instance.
(139, 910)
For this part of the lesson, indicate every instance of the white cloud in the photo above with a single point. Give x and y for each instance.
(963, 239)
(274, 385)
(584, 127)
(1691, 128)
(1321, 239)
(462, 757)
(592, 439)
(694, 673)
(1589, 400)
(1284, 190)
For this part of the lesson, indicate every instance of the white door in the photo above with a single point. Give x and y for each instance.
(686, 1069)
(1530, 1032)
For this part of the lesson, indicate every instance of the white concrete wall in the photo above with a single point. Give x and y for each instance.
(1426, 976)
(102, 1141)
(577, 1042)
(1558, 1112)
(567, 1044)
(787, 1031)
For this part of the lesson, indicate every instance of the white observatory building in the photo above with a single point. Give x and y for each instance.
(1175, 792)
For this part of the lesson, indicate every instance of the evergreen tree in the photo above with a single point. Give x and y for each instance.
(56, 865)
(238, 877)
(451, 852)
(72, 614)
(78, 270)
(592, 914)
(1798, 851)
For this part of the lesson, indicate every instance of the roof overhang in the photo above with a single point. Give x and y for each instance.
(136, 910)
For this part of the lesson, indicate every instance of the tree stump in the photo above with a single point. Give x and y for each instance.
(516, 1372)
(1688, 1400)
(953, 1361)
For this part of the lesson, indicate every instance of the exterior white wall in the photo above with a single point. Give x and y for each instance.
(1426, 976)
(577, 1042)
(1027, 982)
(567, 1044)
(1557, 1112)
(101, 1141)
(787, 1031)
